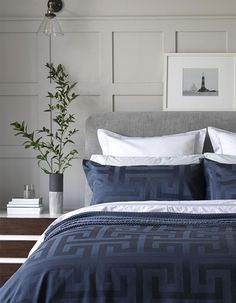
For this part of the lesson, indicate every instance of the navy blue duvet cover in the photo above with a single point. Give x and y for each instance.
(121, 257)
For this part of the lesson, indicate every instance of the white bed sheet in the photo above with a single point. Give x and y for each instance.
(190, 207)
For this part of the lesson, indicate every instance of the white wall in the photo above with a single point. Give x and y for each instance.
(35, 8)
(117, 60)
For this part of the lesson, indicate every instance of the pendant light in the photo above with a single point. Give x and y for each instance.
(50, 26)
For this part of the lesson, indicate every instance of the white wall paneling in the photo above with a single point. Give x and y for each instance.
(15, 108)
(137, 103)
(15, 172)
(117, 61)
(18, 101)
(18, 53)
(137, 57)
(216, 42)
(83, 49)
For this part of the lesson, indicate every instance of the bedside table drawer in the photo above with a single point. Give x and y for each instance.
(15, 249)
(17, 237)
(24, 226)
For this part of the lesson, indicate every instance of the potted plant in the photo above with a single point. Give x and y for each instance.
(54, 145)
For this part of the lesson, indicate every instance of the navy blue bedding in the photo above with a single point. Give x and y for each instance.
(131, 258)
(145, 182)
(220, 180)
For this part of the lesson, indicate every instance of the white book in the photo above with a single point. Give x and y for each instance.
(19, 201)
(24, 205)
(24, 211)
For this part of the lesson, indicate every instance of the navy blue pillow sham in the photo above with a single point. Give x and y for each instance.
(220, 180)
(140, 183)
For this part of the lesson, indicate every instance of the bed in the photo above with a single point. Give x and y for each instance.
(176, 251)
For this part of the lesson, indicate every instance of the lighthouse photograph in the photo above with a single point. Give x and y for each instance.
(200, 82)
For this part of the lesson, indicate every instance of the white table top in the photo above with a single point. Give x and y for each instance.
(3, 214)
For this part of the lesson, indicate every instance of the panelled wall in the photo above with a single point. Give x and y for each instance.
(118, 63)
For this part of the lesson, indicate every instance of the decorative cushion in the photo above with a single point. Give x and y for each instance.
(173, 145)
(140, 183)
(220, 180)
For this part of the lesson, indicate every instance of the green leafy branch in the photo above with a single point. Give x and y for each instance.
(52, 145)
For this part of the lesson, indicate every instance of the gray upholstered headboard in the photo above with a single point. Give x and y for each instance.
(154, 124)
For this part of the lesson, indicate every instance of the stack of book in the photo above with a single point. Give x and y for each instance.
(21, 206)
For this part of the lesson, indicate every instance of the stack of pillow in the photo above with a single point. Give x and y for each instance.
(163, 168)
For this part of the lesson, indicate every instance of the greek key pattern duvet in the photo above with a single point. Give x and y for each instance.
(131, 258)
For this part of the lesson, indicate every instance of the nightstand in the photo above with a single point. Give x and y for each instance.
(18, 234)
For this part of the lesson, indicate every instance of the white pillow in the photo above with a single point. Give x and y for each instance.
(172, 145)
(225, 159)
(223, 141)
(132, 161)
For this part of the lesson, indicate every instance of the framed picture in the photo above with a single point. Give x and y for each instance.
(199, 82)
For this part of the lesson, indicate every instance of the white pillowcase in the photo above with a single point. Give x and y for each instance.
(223, 141)
(132, 161)
(225, 159)
(172, 145)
